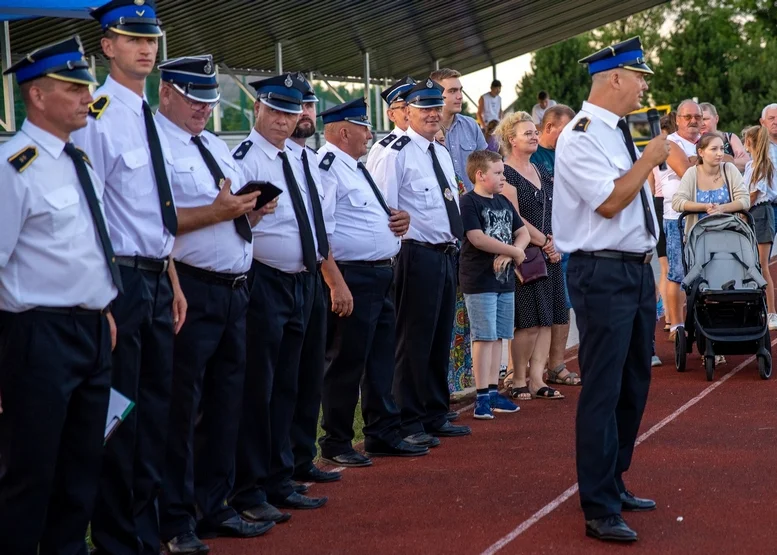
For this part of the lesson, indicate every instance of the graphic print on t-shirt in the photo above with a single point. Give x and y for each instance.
(499, 225)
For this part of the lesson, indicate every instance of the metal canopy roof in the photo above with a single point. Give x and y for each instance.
(329, 36)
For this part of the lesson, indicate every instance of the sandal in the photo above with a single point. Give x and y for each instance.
(547, 393)
(668, 327)
(572, 378)
(521, 393)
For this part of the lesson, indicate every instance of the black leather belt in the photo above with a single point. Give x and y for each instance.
(71, 310)
(234, 281)
(644, 258)
(445, 248)
(385, 263)
(156, 265)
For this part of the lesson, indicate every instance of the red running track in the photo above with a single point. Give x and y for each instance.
(709, 467)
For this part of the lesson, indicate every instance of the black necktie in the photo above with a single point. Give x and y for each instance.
(158, 163)
(374, 188)
(97, 215)
(242, 225)
(624, 127)
(454, 216)
(305, 233)
(318, 213)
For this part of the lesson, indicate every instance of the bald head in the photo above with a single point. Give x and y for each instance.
(351, 138)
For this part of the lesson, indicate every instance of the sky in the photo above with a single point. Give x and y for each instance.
(509, 73)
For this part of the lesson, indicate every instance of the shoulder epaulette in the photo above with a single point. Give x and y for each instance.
(326, 161)
(97, 108)
(22, 159)
(242, 150)
(387, 140)
(582, 125)
(400, 143)
(85, 157)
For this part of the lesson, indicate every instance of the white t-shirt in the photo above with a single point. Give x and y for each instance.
(492, 105)
(670, 181)
(537, 112)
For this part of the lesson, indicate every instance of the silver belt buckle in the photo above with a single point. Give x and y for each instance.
(165, 264)
(239, 280)
(648, 258)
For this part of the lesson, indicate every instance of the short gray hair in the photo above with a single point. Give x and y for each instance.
(767, 108)
(709, 107)
(686, 101)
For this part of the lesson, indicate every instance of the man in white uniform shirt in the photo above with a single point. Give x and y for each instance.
(304, 426)
(133, 159)
(287, 250)
(57, 278)
(602, 215)
(397, 114)
(416, 175)
(362, 321)
(213, 254)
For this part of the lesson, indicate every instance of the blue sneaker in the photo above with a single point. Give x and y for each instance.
(501, 404)
(483, 408)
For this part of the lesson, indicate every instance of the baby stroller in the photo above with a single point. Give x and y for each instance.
(726, 293)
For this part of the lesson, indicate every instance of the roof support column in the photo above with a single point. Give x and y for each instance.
(436, 65)
(378, 111)
(163, 46)
(9, 123)
(278, 58)
(367, 81)
(493, 71)
(383, 123)
(217, 109)
(93, 67)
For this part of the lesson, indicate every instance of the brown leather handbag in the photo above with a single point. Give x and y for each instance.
(534, 267)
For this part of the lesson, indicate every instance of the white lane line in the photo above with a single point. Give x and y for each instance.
(572, 490)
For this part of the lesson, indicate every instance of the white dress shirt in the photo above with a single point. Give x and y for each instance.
(587, 165)
(117, 145)
(276, 237)
(360, 230)
(378, 149)
(312, 156)
(218, 247)
(406, 178)
(50, 253)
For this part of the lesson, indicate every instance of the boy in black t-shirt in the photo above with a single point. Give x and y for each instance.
(493, 244)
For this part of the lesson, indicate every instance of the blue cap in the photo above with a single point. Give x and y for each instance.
(625, 55)
(193, 76)
(354, 111)
(283, 92)
(136, 18)
(426, 94)
(310, 94)
(395, 91)
(63, 60)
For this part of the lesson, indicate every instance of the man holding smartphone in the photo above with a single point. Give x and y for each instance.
(212, 254)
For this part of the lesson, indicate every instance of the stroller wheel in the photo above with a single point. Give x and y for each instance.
(709, 366)
(680, 350)
(765, 367)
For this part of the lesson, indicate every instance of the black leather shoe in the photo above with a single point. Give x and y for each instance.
(235, 527)
(422, 439)
(317, 475)
(265, 513)
(400, 449)
(299, 488)
(352, 460)
(452, 416)
(297, 501)
(187, 543)
(451, 430)
(610, 528)
(635, 504)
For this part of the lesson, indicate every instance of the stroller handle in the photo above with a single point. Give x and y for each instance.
(681, 221)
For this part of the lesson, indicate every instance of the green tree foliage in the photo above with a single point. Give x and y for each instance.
(555, 69)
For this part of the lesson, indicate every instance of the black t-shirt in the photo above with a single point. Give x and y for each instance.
(497, 218)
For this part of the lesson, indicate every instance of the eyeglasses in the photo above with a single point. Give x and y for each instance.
(530, 134)
(689, 117)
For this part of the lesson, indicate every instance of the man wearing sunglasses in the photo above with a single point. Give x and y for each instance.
(212, 252)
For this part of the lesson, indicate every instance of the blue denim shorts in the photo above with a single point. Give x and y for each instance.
(674, 251)
(491, 315)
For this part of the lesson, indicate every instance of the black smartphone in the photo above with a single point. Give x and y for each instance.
(269, 192)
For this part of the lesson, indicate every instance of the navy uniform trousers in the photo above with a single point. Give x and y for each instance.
(304, 426)
(360, 354)
(615, 306)
(425, 281)
(278, 309)
(126, 520)
(55, 374)
(208, 374)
